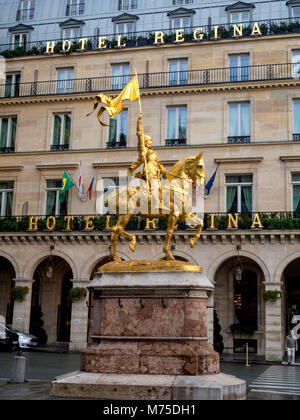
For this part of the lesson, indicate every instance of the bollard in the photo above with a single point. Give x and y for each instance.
(247, 356)
(18, 369)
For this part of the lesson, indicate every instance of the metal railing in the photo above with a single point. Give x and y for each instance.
(200, 77)
(116, 144)
(141, 38)
(59, 147)
(176, 142)
(296, 136)
(238, 139)
(277, 220)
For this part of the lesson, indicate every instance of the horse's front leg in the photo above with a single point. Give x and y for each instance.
(119, 230)
(172, 220)
(200, 224)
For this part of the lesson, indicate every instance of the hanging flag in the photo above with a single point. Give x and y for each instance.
(66, 185)
(90, 189)
(80, 182)
(210, 183)
(131, 92)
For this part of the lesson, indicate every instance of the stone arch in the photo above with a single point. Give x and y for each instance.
(232, 254)
(32, 266)
(180, 254)
(94, 260)
(283, 265)
(13, 263)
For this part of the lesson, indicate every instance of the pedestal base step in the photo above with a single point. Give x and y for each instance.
(148, 387)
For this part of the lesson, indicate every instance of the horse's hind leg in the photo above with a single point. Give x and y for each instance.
(119, 230)
(200, 224)
(172, 220)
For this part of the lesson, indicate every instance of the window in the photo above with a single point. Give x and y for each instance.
(65, 80)
(178, 74)
(296, 118)
(181, 22)
(239, 123)
(176, 2)
(118, 130)
(240, 17)
(126, 29)
(75, 7)
(120, 76)
(6, 198)
(110, 185)
(8, 134)
(239, 67)
(177, 121)
(127, 4)
(296, 64)
(239, 193)
(296, 13)
(26, 10)
(296, 192)
(61, 132)
(19, 40)
(53, 205)
(70, 33)
(12, 85)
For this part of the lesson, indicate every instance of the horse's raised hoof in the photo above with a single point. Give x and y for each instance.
(192, 242)
(117, 258)
(132, 244)
(170, 257)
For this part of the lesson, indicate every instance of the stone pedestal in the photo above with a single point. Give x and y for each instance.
(149, 326)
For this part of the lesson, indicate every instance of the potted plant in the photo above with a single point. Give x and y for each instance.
(19, 293)
(76, 294)
(271, 295)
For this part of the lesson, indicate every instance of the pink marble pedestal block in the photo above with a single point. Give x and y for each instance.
(150, 323)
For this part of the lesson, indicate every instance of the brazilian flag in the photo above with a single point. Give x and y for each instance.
(66, 185)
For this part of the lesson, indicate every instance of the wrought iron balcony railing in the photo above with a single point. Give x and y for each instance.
(296, 136)
(276, 220)
(10, 149)
(116, 144)
(141, 38)
(238, 139)
(175, 142)
(59, 147)
(200, 77)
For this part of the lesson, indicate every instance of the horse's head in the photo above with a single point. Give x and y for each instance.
(195, 170)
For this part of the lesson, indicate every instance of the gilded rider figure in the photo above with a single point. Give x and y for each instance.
(148, 157)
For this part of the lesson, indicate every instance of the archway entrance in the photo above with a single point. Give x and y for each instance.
(239, 309)
(50, 317)
(7, 274)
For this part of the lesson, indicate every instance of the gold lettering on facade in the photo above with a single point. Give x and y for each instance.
(50, 223)
(107, 223)
(33, 223)
(256, 30)
(50, 47)
(102, 42)
(216, 32)
(68, 219)
(179, 35)
(233, 222)
(150, 222)
(256, 222)
(66, 46)
(82, 43)
(212, 221)
(198, 34)
(120, 45)
(89, 223)
(159, 38)
(238, 30)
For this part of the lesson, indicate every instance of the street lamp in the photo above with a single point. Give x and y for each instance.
(50, 268)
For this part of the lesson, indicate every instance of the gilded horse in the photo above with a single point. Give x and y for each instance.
(188, 170)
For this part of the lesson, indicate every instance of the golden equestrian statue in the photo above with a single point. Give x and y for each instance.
(154, 197)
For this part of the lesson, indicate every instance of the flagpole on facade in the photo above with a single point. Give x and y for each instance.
(143, 139)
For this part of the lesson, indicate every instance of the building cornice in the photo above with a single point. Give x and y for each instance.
(146, 237)
(239, 160)
(47, 167)
(12, 168)
(290, 158)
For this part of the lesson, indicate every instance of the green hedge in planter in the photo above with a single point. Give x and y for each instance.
(76, 294)
(19, 293)
(271, 295)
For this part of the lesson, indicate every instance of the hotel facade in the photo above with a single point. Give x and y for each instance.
(217, 77)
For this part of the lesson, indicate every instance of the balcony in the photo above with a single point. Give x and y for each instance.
(59, 147)
(175, 142)
(202, 77)
(10, 149)
(238, 139)
(268, 27)
(296, 136)
(116, 145)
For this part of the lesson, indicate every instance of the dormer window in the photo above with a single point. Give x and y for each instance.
(294, 9)
(240, 12)
(127, 4)
(71, 28)
(26, 10)
(125, 24)
(75, 7)
(181, 18)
